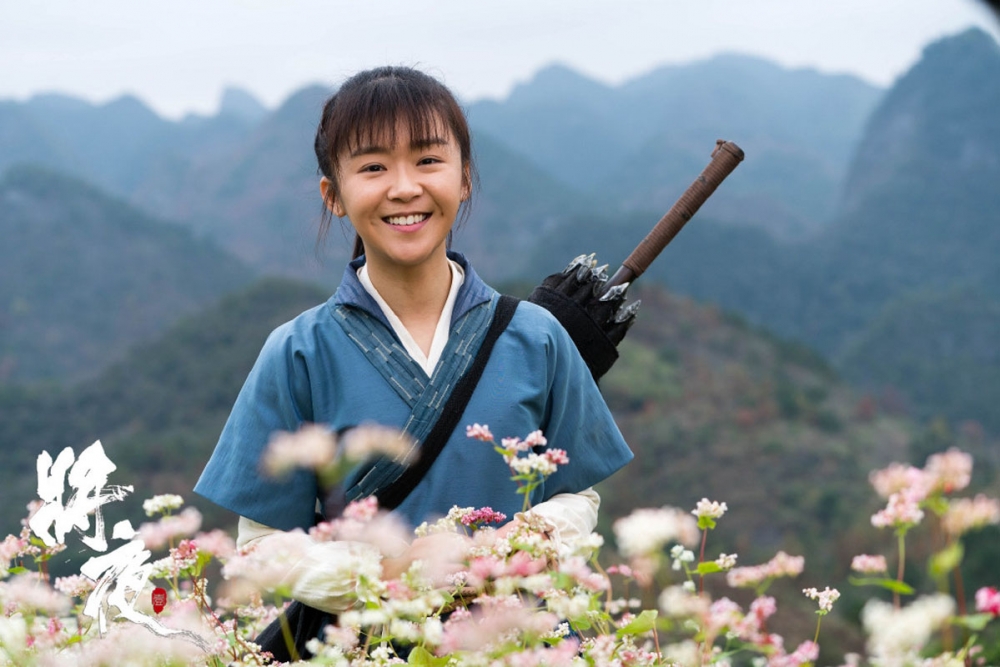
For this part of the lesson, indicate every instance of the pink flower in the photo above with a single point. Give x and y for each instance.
(158, 533)
(479, 432)
(514, 445)
(965, 514)
(216, 543)
(556, 456)
(522, 564)
(483, 516)
(807, 651)
(536, 439)
(988, 600)
(74, 586)
(902, 511)
(782, 565)
(897, 478)
(362, 510)
(949, 472)
(763, 607)
(312, 447)
(10, 548)
(868, 564)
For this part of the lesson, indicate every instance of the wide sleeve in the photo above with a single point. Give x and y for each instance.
(578, 420)
(275, 397)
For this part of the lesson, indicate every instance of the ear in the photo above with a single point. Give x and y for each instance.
(330, 200)
(466, 183)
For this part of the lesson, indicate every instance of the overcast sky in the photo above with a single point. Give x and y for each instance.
(178, 55)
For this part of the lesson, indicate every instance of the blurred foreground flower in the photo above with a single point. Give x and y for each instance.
(869, 564)
(988, 600)
(312, 447)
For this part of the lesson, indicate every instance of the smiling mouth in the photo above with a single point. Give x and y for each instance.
(406, 220)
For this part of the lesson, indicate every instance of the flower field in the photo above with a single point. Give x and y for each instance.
(486, 595)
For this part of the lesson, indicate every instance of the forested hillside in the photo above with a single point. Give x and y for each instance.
(83, 276)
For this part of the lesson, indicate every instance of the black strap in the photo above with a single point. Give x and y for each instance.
(307, 622)
(393, 495)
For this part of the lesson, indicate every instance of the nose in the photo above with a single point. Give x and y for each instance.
(405, 184)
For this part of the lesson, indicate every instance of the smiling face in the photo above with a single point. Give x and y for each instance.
(401, 197)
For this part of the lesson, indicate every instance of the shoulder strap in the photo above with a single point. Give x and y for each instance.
(394, 494)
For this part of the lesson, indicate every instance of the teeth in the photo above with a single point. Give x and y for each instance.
(404, 220)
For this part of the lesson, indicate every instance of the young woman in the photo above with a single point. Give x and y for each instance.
(395, 154)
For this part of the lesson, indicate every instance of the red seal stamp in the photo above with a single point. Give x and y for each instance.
(159, 599)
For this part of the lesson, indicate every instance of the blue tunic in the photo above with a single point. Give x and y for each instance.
(310, 371)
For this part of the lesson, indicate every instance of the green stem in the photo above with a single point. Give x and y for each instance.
(900, 567)
(286, 632)
(701, 559)
(818, 622)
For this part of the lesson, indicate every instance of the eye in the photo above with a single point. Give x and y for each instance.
(371, 168)
(429, 160)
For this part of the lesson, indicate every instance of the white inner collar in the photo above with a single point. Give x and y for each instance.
(429, 361)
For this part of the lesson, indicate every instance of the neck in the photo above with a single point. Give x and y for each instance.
(416, 294)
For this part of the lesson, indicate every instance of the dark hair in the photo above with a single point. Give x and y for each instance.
(368, 108)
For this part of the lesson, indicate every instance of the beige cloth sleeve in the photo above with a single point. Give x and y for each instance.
(570, 515)
(324, 578)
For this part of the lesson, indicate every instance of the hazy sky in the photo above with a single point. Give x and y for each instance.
(178, 55)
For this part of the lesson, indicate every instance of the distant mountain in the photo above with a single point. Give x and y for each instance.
(559, 144)
(83, 276)
(241, 104)
(919, 214)
(920, 208)
(639, 145)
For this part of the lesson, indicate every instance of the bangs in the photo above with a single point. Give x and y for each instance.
(376, 117)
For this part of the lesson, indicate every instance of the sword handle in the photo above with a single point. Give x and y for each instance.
(725, 158)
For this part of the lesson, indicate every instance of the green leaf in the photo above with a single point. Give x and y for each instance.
(20, 569)
(900, 587)
(706, 522)
(973, 621)
(946, 560)
(708, 567)
(75, 639)
(424, 658)
(936, 504)
(642, 623)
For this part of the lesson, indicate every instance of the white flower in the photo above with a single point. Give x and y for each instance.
(726, 561)
(896, 637)
(708, 509)
(647, 531)
(678, 601)
(826, 597)
(162, 504)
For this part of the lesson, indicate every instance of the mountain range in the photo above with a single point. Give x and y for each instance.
(855, 205)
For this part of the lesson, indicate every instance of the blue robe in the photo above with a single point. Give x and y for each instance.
(310, 371)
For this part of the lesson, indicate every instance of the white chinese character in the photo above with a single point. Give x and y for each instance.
(88, 477)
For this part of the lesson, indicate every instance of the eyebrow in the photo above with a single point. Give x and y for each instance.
(425, 142)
